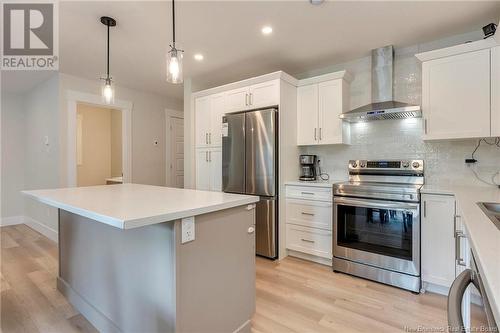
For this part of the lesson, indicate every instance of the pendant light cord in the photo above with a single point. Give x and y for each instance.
(173, 22)
(108, 56)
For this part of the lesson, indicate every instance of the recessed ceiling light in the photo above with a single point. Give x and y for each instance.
(198, 56)
(267, 30)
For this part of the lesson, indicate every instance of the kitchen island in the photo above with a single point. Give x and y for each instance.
(123, 262)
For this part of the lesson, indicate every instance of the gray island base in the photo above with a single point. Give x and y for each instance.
(144, 280)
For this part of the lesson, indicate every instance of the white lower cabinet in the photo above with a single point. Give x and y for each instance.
(308, 215)
(438, 242)
(209, 169)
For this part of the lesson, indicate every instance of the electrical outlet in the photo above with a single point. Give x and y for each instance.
(187, 229)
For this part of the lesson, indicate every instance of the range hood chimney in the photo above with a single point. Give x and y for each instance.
(383, 105)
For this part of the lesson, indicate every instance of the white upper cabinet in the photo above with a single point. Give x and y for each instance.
(456, 96)
(253, 97)
(319, 106)
(495, 91)
(307, 115)
(202, 121)
(332, 102)
(264, 94)
(237, 99)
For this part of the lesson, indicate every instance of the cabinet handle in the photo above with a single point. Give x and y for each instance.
(246, 99)
(250, 99)
(460, 261)
(425, 125)
(206, 156)
(455, 217)
(320, 134)
(315, 137)
(251, 230)
(210, 138)
(210, 156)
(310, 193)
(206, 138)
(307, 240)
(425, 208)
(309, 214)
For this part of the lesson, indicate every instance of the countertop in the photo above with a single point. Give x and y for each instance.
(128, 206)
(484, 236)
(314, 183)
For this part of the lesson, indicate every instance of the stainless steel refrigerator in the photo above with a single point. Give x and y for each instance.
(250, 166)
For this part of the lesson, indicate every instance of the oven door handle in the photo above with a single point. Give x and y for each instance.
(375, 204)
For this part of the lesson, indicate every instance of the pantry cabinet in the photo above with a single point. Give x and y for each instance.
(438, 241)
(495, 91)
(209, 169)
(319, 106)
(208, 120)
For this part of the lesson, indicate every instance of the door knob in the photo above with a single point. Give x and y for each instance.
(251, 230)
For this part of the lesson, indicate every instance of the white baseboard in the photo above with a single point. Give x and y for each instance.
(306, 256)
(11, 220)
(41, 228)
(435, 288)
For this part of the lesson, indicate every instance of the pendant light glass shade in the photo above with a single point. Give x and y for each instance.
(174, 65)
(108, 91)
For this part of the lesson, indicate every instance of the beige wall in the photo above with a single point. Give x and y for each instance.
(116, 143)
(101, 145)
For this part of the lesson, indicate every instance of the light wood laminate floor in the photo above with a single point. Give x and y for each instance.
(292, 296)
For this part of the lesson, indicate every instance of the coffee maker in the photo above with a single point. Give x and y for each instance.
(308, 167)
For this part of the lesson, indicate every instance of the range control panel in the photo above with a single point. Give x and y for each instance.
(387, 165)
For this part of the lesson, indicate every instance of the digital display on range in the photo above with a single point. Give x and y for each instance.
(384, 164)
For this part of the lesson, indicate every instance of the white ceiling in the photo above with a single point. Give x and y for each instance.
(305, 37)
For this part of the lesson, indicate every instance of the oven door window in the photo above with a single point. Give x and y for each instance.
(387, 232)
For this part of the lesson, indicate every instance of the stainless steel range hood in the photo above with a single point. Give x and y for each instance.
(383, 106)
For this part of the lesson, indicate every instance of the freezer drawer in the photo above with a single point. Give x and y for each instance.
(265, 228)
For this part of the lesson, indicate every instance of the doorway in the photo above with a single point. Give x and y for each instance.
(98, 145)
(175, 150)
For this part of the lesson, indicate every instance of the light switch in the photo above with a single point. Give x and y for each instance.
(187, 229)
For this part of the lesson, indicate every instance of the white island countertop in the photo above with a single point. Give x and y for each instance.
(483, 235)
(128, 206)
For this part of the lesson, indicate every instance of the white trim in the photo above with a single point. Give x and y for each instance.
(345, 75)
(75, 97)
(309, 257)
(169, 113)
(457, 49)
(11, 220)
(435, 288)
(247, 82)
(41, 228)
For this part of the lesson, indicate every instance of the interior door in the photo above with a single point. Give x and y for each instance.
(260, 151)
(202, 170)
(307, 115)
(176, 152)
(202, 121)
(216, 112)
(233, 153)
(330, 108)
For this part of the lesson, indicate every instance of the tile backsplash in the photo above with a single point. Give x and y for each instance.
(401, 139)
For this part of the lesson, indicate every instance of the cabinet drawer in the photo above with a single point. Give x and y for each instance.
(309, 193)
(309, 240)
(308, 213)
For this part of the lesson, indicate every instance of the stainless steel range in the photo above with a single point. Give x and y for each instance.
(376, 222)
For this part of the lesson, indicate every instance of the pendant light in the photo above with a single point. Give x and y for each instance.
(174, 56)
(108, 90)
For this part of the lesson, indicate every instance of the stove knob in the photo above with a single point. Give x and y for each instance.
(354, 164)
(362, 164)
(406, 164)
(416, 165)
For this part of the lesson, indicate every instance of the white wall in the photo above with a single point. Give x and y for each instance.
(403, 138)
(13, 157)
(148, 125)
